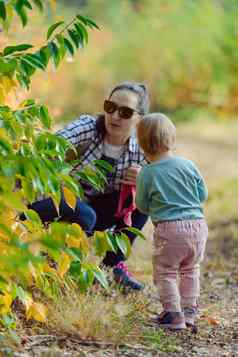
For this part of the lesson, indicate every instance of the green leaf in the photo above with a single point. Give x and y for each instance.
(76, 254)
(101, 277)
(11, 49)
(28, 102)
(124, 243)
(21, 12)
(25, 68)
(27, 4)
(39, 4)
(54, 245)
(70, 183)
(100, 243)
(7, 66)
(85, 278)
(3, 13)
(33, 61)
(121, 244)
(54, 52)
(135, 231)
(45, 117)
(19, 4)
(23, 80)
(5, 147)
(111, 241)
(19, 293)
(87, 21)
(82, 32)
(44, 55)
(69, 46)
(62, 48)
(52, 28)
(75, 268)
(102, 164)
(74, 37)
(33, 216)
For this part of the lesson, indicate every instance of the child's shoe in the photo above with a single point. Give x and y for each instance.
(190, 314)
(171, 320)
(124, 278)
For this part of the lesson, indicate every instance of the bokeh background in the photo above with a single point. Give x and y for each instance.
(186, 52)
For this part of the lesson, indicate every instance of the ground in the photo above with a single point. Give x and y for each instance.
(213, 146)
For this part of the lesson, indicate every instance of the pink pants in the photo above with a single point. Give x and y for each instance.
(178, 251)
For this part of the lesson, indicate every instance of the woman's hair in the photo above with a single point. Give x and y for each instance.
(143, 101)
(140, 89)
(156, 132)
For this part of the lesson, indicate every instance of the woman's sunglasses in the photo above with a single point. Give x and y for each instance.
(124, 112)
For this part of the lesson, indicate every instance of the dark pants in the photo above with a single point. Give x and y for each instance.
(97, 214)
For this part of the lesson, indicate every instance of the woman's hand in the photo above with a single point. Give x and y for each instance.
(130, 175)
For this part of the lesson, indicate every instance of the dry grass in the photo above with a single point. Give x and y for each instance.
(112, 318)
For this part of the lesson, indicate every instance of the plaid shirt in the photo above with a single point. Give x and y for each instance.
(83, 131)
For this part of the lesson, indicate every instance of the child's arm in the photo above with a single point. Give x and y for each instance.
(142, 197)
(202, 190)
(201, 186)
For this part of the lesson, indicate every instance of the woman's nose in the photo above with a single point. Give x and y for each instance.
(115, 115)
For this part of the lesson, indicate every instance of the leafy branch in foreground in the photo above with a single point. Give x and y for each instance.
(32, 164)
(47, 257)
(18, 64)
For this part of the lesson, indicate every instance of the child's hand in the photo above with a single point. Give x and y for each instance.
(130, 175)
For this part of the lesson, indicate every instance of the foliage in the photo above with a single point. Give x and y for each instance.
(32, 164)
(186, 51)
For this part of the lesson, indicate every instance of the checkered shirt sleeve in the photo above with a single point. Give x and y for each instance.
(80, 131)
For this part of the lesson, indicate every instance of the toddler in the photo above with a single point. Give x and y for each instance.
(170, 189)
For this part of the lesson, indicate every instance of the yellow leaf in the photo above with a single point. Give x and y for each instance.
(73, 242)
(48, 269)
(32, 270)
(5, 303)
(3, 132)
(28, 302)
(37, 311)
(63, 264)
(2, 95)
(81, 236)
(69, 197)
(212, 320)
(7, 84)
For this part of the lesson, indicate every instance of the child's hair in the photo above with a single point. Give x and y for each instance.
(155, 133)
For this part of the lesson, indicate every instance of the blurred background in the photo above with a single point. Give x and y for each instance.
(186, 51)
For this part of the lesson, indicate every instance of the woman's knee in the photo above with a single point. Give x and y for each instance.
(90, 218)
(85, 216)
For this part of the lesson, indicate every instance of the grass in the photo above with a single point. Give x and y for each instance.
(113, 318)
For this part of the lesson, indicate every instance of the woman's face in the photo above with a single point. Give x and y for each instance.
(118, 130)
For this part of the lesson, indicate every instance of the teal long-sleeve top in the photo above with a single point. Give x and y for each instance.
(171, 189)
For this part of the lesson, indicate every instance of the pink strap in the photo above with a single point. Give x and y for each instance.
(126, 213)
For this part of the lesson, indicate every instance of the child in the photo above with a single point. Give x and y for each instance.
(170, 189)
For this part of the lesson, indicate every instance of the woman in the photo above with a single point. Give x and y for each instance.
(110, 137)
